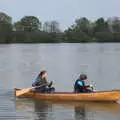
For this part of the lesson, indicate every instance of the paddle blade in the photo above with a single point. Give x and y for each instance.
(22, 92)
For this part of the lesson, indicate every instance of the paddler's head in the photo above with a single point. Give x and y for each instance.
(83, 77)
(43, 74)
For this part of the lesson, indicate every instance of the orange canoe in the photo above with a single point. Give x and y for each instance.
(112, 96)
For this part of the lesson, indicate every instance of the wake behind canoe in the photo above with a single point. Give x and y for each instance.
(111, 96)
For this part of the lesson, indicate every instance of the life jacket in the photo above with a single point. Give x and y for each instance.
(79, 86)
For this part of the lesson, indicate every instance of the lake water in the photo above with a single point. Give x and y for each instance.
(20, 64)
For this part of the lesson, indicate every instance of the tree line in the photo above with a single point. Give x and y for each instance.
(30, 29)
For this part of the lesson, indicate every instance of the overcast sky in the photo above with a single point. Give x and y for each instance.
(64, 11)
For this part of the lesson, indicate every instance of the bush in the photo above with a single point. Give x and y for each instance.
(104, 37)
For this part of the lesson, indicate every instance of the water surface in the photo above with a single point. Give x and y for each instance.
(20, 64)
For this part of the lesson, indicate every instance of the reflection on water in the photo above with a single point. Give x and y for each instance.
(80, 112)
(42, 110)
(46, 110)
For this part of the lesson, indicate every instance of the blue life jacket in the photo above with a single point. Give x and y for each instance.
(79, 85)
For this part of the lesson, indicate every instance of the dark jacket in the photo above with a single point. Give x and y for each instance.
(40, 81)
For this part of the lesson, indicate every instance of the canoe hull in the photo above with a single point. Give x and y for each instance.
(67, 96)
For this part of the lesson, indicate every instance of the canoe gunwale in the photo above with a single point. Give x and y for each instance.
(17, 89)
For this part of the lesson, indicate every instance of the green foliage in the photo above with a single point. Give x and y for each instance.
(99, 31)
(5, 18)
(116, 24)
(116, 37)
(18, 26)
(29, 30)
(101, 25)
(30, 23)
(82, 24)
(104, 36)
(76, 37)
(5, 28)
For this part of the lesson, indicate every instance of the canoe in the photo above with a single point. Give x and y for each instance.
(112, 96)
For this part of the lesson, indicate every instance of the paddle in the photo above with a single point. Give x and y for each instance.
(26, 90)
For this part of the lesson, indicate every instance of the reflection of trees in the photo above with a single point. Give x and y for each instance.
(41, 110)
(46, 110)
(34, 109)
(80, 113)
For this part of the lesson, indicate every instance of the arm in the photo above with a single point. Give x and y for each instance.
(46, 83)
(49, 84)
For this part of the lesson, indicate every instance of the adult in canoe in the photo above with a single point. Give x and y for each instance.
(41, 80)
(80, 85)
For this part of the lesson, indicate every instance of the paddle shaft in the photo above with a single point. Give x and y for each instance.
(23, 91)
(38, 86)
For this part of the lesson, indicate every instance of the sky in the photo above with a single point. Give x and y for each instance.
(63, 11)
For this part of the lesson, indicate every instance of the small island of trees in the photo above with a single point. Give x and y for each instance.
(30, 29)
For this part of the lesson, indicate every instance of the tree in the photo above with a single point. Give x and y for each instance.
(104, 37)
(82, 25)
(81, 31)
(18, 26)
(54, 27)
(30, 23)
(5, 18)
(101, 25)
(5, 28)
(46, 27)
(51, 27)
(114, 24)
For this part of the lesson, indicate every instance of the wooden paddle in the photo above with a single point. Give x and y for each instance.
(26, 90)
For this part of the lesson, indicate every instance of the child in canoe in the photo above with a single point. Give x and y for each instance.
(80, 85)
(41, 83)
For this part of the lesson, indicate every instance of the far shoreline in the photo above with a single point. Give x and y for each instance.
(63, 43)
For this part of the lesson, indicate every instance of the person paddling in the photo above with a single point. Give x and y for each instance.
(80, 85)
(41, 81)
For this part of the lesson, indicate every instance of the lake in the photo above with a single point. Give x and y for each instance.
(20, 64)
